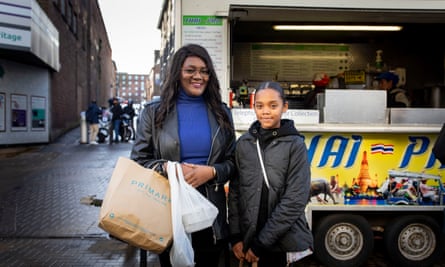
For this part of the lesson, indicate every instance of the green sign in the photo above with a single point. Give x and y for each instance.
(202, 21)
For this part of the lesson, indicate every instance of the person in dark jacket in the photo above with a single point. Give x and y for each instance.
(116, 110)
(395, 97)
(92, 117)
(190, 124)
(129, 110)
(268, 196)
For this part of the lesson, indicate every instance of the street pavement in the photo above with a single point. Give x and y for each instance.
(43, 223)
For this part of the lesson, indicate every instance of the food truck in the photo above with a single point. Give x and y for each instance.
(356, 144)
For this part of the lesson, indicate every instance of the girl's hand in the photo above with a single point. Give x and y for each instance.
(238, 250)
(250, 256)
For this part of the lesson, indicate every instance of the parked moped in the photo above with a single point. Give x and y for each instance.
(125, 130)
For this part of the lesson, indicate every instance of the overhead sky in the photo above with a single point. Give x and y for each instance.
(132, 31)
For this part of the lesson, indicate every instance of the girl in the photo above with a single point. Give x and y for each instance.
(268, 197)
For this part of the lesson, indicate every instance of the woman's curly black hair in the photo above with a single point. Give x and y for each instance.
(171, 87)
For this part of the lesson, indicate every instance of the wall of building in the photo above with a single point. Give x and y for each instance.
(87, 70)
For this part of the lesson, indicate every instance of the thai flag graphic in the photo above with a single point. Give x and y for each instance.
(382, 148)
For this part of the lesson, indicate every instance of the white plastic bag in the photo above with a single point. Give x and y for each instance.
(181, 253)
(197, 211)
(191, 212)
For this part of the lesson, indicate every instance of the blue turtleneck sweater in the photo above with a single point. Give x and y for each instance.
(194, 129)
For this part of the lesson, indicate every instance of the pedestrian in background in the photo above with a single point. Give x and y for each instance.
(395, 97)
(268, 196)
(116, 110)
(320, 82)
(190, 124)
(129, 110)
(92, 116)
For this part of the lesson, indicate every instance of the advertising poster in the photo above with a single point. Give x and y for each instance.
(38, 113)
(360, 163)
(18, 112)
(2, 112)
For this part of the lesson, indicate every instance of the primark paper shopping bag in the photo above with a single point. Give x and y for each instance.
(137, 207)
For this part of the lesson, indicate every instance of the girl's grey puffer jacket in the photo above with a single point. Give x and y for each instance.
(288, 171)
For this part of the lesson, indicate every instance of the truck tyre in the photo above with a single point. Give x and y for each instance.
(413, 240)
(343, 240)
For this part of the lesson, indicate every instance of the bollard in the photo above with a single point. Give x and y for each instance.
(251, 99)
(83, 128)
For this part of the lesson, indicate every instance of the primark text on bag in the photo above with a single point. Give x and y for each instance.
(137, 207)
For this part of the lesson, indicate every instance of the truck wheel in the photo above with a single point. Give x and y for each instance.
(414, 240)
(343, 240)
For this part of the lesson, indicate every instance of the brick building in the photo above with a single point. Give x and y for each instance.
(63, 62)
(132, 87)
(87, 71)
(155, 78)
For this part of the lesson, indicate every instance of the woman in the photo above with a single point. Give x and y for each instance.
(190, 124)
(266, 206)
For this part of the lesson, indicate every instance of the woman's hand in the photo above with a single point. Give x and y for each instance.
(238, 250)
(196, 175)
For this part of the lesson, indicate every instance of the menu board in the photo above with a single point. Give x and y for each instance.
(208, 32)
(297, 61)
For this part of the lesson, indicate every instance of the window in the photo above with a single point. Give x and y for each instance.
(62, 6)
(84, 37)
(69, 16)
(57, 4)
(75, 24)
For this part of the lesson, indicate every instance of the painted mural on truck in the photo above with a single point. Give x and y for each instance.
(356, 166)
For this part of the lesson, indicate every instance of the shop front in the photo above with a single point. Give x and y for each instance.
(28, 54)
